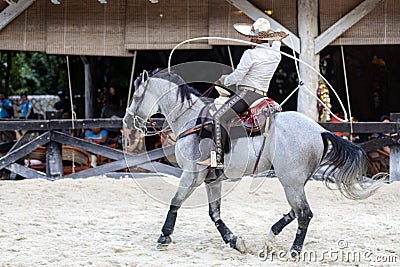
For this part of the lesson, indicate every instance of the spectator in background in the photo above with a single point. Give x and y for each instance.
(97, 135)
(133, 142)
(376, 107)
(113, 109)
(6, 107)
(112, 93)
(26, 107)
(63, 103)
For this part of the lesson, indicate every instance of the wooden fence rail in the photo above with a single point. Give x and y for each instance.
(52, 138)
(47, 125)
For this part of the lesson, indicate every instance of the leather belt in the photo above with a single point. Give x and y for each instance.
(260, 92)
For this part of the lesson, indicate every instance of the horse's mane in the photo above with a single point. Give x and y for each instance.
(184, 90)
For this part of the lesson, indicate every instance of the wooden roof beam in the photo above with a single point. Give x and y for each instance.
(345, 23)
(13, 11)
(254, 13)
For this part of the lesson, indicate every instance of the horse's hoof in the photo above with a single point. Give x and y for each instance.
(163, 242)
(270, 237)
(238, 243)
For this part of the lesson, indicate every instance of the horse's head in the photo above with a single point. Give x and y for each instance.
(144, 103)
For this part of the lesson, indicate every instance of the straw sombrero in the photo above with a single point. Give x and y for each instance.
(261, 29)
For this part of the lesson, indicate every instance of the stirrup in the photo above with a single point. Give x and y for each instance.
(219, 166)
(207, 162)
(212, 161)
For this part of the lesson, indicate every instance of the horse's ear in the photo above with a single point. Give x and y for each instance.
(145, 75)
(154, 72)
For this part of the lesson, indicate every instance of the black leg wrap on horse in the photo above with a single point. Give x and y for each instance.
(298, 241)
(169, 224)
(232, 243)
(164, 239)
(219, 172)
(224, 231)
(278, 227)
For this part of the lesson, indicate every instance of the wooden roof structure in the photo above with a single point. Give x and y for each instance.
(88, 27)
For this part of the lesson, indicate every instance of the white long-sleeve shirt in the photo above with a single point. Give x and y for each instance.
(256, 67)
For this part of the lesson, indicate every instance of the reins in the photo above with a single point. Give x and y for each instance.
(152, 124)
(191, 104)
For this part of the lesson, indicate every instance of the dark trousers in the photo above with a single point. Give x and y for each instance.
(236, 104)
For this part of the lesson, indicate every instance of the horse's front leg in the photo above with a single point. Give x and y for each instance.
(282, 223)
(189, 181)
(214, 202)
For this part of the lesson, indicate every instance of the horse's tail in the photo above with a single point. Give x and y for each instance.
(347, 164)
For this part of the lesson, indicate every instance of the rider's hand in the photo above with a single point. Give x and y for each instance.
(222, 78)
(283, 36)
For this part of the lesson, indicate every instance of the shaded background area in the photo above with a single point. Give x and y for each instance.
(371, 70)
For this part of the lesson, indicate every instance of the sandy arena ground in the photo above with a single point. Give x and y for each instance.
(107, 222)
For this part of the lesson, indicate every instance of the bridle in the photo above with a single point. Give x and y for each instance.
(142, 79)
(140, 123)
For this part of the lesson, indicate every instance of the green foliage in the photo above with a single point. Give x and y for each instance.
(33, 72)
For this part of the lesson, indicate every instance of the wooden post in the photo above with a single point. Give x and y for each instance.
(54, 165)
(12, 11)
(394, 163)
(345, 23)
(89, 109)
(308, 31)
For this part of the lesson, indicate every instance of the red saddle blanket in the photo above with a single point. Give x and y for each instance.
(253, 119)
(256, 114)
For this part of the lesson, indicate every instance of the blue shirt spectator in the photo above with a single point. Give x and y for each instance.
(5, 107)
(26, 107)
(98, 136)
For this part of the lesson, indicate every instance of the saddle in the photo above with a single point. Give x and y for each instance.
(255, 120)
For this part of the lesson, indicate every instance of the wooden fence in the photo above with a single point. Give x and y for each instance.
(47, 133)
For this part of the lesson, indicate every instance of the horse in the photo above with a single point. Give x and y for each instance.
(296, 147)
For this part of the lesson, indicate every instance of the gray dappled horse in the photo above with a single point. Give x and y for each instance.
(295, 145)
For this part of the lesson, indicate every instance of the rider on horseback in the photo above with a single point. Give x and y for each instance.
(252, 76)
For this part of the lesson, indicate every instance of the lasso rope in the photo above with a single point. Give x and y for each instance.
(347, 89)
(131, 81)
(230, 58)
(283, 53)
(73, 114)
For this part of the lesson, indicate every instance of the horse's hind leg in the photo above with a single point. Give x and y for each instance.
(214, 203)
(298, 202)
(188, 183)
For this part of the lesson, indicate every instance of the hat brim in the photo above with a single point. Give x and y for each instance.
(245, 29)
